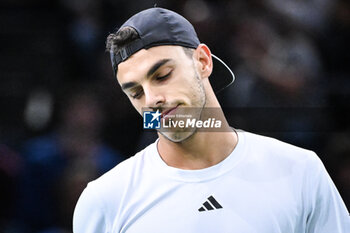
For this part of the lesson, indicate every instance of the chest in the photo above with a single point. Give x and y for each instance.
(223, 205)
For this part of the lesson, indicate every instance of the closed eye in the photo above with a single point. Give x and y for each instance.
(164, 77)
(137, 95)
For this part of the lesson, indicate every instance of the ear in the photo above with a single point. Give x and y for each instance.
(202, 56)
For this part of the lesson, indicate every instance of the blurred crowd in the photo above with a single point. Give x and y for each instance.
(65, 121)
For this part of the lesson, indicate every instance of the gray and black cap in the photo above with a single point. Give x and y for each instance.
(158, 26)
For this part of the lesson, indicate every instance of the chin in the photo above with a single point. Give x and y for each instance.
(178, 137)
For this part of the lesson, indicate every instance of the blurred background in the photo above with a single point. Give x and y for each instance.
(64, 120)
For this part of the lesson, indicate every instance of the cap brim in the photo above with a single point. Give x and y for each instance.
(222, 76)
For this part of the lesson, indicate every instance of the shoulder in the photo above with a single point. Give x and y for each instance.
(270, 153)
(274, 147)
(115, 183)
(122, 173)
(102, 198)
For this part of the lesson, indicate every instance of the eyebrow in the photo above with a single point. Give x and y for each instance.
(150, 72)
(128, 85)
(156, 66)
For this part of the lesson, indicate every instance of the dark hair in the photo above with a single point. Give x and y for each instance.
(116, 41)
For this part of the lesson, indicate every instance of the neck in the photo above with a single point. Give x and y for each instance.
(201, 150)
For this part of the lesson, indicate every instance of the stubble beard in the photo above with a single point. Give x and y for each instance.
(183, 135)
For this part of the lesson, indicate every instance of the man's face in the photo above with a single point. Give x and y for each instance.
(163, 78)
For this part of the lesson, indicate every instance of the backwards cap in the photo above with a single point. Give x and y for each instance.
(158, 26)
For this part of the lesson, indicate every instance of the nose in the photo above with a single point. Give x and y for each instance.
(154, 97)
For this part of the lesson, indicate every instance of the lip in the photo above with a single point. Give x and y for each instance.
(168, 112)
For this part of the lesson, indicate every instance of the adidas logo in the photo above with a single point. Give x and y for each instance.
(211, 204)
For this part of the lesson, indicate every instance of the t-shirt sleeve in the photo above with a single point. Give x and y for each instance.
(327, 211)
(89, 214)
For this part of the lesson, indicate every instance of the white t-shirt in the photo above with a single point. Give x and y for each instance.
(263, 186)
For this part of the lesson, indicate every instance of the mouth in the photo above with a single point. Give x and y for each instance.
(169, 112)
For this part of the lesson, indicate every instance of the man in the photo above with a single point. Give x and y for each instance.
(196, 180)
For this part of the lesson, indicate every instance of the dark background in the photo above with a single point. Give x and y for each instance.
(64, 120)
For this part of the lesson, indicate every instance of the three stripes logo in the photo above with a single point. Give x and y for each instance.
(210, 204)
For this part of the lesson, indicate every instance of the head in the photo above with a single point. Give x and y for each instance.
(167, 74)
